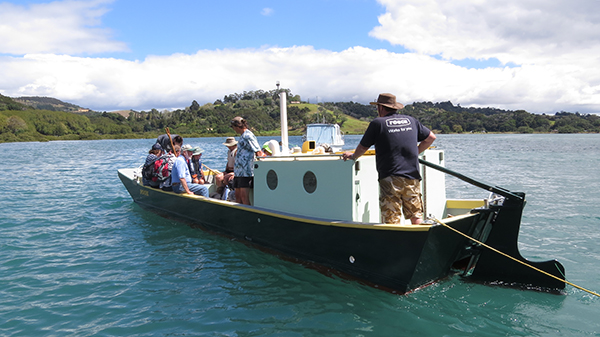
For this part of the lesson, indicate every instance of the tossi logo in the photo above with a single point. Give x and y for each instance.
(397, 122)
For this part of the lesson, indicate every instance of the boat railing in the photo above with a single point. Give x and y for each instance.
(494, 189)
(302, 156)
(335, 156)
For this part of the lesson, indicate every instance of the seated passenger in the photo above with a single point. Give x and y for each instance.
(267, 150)
(181, 179)
(225, 178)
(272, 148)
(153, 154)
(196, 166)
(164, 170)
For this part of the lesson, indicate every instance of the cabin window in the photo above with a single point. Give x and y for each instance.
(310, 182)
(272, 179)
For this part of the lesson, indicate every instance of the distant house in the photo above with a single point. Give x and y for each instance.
(295, 102)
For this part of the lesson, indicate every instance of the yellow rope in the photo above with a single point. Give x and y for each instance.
(516, 260)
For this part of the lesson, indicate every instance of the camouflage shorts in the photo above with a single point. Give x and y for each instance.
(397, 195)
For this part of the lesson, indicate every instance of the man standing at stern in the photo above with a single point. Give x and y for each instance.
(398, 140)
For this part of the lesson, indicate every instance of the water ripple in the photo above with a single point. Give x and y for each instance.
(79, 258)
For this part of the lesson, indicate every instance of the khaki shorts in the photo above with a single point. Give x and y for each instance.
(397, 195)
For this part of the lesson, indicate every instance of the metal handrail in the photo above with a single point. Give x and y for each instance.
(495, 189)
(301, 156)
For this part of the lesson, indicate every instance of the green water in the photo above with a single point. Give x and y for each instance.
(79, 258)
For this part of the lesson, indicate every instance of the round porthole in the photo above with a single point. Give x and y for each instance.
(272, 179)
(310, 182)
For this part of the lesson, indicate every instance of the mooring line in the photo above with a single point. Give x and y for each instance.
(516, 260)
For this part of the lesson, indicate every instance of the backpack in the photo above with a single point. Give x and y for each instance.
(157, 170)
(148, 171)
(163, 167)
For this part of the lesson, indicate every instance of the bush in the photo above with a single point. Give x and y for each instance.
(524, 129)
(16, 124)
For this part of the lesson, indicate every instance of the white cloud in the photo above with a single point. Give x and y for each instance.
(56, 27)
(356, 74)
(267, 11)
(554, 45)
(518, 31)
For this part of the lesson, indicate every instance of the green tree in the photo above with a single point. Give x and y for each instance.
(16, 124)
(195, 106)
(457, 128)
(524, 129)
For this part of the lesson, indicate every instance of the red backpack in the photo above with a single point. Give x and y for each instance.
(162, 168)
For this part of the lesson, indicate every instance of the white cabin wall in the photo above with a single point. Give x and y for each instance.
(433, 185)
(366, 190)
(342, 193)
(332, 198)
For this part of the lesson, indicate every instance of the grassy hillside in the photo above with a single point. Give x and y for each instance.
(349, 125)
(7, 103)
(353, 126)
(19, 122)
(49, 103)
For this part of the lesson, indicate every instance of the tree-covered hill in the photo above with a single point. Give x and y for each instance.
(447, 118)
(7, 103)
(19, 122)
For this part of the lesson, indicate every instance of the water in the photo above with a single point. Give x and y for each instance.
(79, 258)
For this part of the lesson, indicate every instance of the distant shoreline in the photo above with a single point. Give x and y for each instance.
(53, 139)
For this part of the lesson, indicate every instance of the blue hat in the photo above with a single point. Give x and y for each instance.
(156, 146)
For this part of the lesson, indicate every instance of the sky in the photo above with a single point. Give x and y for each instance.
(537, 55)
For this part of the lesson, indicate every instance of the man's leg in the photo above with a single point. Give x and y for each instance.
(390, 202)
(198, 189)
(242, 195)
(412, 204)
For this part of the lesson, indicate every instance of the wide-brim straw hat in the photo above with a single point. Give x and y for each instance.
(388, 100)
(230, 141)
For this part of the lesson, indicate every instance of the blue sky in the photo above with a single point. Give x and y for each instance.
(131, 54)
(163, 28)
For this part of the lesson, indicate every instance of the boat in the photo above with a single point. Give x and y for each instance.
(322, 211)
(326, 135)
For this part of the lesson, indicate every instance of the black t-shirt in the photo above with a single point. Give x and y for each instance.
(396, 138)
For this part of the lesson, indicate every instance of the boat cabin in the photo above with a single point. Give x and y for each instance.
(322, 133)
(327, 187)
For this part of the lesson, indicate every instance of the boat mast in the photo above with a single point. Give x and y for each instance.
(284, 122)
